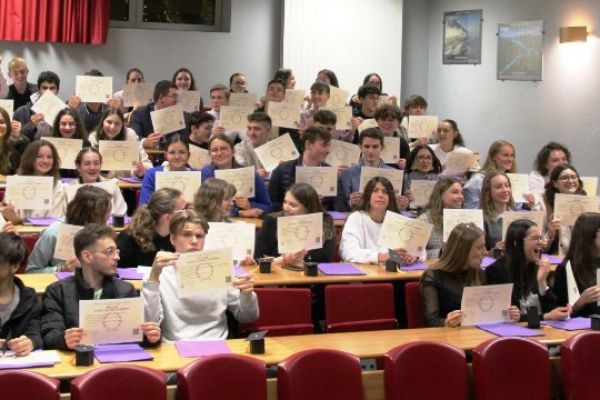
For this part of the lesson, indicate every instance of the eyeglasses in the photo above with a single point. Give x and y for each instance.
(217, 150)
(566, 178)
(109, 251)
(424, 158)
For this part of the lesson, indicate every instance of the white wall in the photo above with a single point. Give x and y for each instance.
(251, 47)
(562, 107)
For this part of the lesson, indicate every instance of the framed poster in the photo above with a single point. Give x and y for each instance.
(462, 37)
(520, 51)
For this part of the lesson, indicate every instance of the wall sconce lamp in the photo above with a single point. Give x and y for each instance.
(569, 34)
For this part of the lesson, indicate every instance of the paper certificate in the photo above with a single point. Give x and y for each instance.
(111, 320)
(94, 89)
(199, 271)
(119, 155)
(199, 157)
(508, 217)
(485, 304)
(67, 150)
(49, 105)
(395, 176)
(399, 231)
(284, 115)
(519, 185)
(276, 151)
(167, 120)
(187, 182)
(342, 153)
(241, 178)
(391, 150)
(453, 217)
(458, 163)
(322, 179)
(64, 242)
(343, 115)
(234, 117)
(300, 232)
(8, 106)
(385, 100)
(421, 190)
(110, 186)
(568, 207)
(189, 100)
(367, 124)
(137, 94)
(245, 100)
(30, 192)
(294, 97)
(238, 237)
(421, 126)
(337, 97)
(590, 185)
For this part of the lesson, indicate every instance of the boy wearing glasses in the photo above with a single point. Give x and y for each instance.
(97, 279)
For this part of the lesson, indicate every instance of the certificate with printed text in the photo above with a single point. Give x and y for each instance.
(337, 97)
(245, 100)
(110, 186)
(49, 105)
(276, 151)
(453, 217)
(322, 179)
(391, 150)
(239, 237)
(343, 115)
(406, 233)
(234, 117)
(187, 182)
(508, 217)
(421, 190)
(395, 176)
(189, 100)
(367, 124)
(241, 178)
(284, 115)
(568, 207)
(200, 271)
(30, 192)
(342, 153)
(458, 163)
(119, 155)
(485, 304)
(199, 157)
(590, 185)
(519, 184)
(8, 106)
(137, 94)
(300, 232)
(422, 126)
(167, 120)
(67, 150)
(385, 100)
(111, 320)
(94, 89)
(294, 97)
(64, 242)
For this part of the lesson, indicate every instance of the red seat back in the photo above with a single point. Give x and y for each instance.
(425, 370)
(30, 241)
(120, 382)
(320, 375)
(223, 377)
(359, 307)
(511, 368)
(27, 385)
(282, 312)
(580, 367)
(415, 315)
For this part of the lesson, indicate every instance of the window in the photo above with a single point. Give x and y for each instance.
(198, 15)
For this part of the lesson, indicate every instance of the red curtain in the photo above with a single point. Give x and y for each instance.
(66, 21)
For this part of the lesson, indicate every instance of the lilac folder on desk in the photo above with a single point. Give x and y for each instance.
(63, 274)
(199, 348)
(35, 359)
(130, 179)
(41, 221)
(573, 324)
(67, 180)
(340, 269)
(418, 266)
(338, 215)
(107, 353)
(130, 274)
(509, 329)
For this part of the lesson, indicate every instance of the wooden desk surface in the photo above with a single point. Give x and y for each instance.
(338, 223)
(39, 282)
(38, 229)
(120, 183)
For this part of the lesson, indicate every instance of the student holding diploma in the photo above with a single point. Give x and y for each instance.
(522, 266)
(550, 156)
(238, 83)
(458, 267)
(96, 279)
(300, 199)
(39, 159)
(575, 279)
(20, 307)
(388, 119)
(414, 105)
(221, 153)
(183, 79)
(201, 316)
(148, 231)
(422, 164)
(90, 205)
(258, 131)
(450, 141)
(12, 144)
(362, 228)
(447, 193)
(214, 199)
(133, 76)
(68, 125)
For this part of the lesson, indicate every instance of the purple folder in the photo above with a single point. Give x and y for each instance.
(107, 353)
(340, 269)
(239, 271)
(63, 274)
(487, 261)
(418, 266)
(573, 324)
(338, 216)
(199, 348)
(67, 180)
(130, 179)
(130, 274)
(509, 329)
(25, 364)
(553, 258)
(41, 221)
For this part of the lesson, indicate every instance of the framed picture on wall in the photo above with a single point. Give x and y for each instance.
(462, 37)
(520, 51)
